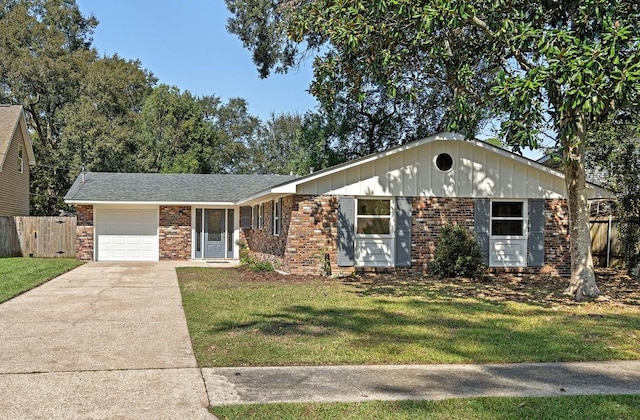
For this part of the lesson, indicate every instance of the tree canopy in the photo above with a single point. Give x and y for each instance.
(536, 66)
(109, 114)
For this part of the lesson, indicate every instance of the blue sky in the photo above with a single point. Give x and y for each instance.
(186, 44)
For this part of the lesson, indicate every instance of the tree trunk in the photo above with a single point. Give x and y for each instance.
(583, 279)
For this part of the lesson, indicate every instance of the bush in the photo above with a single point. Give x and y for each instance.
(245, 258)
(457, 254)
(248, 261)
(260, 266)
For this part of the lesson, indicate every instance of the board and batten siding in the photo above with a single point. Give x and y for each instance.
(477, 172)
(14, 185)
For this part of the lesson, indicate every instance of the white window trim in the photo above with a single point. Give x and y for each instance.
(261, 216)
(276, 228)
(525, 212)
(391, 217)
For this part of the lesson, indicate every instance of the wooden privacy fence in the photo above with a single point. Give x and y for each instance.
(22, 236)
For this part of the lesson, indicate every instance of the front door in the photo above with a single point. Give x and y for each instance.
(214, 233)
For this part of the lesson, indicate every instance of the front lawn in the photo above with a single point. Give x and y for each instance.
(17, 275)
(574, 407)
(238, 318)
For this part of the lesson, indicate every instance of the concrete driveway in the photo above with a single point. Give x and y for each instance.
(106, 340)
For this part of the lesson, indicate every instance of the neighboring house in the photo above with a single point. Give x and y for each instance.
(384, 211)
(16, 158)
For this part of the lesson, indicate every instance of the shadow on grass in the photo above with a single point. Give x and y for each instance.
(537, 290)
(463, 331)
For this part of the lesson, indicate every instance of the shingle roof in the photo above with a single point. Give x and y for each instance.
(170, 188)
(9, 118)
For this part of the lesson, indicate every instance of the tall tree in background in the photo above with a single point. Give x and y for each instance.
(240, 131)
(277, 145)
(537, 65)
(44, 55)
(616, 157)
(100, 125)
(177, 133)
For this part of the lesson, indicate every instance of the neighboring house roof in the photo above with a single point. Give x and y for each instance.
(103, 187)
(11, 119)
(595, 176)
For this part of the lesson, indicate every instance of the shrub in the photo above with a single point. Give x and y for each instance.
(457, 254)
(245, 258)
(260, 266)
(253, 264)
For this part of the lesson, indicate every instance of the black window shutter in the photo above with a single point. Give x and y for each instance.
(403, 231)
(346, 231)
(482, 224)
(535, 256)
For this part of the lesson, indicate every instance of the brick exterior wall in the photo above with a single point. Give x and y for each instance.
(308, 244)
(312, 246)
(557, 250)
(84, 233)
(262, 243)
(430, 214)
(174, 232)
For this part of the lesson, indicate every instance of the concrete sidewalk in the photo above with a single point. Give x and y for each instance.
(106, 340)
(430, 382)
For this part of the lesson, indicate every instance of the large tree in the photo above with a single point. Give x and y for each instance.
(615, 160)
(177, 133)
(538, 66)
(44, 54)
(100, 125)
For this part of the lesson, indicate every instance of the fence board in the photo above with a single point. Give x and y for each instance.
(605, 243)
(37, 236)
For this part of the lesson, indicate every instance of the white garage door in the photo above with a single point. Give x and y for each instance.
(127, 234)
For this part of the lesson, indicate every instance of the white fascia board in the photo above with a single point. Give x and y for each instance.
(151, 203)
(507, 154)
(27, 139)
(260, 197)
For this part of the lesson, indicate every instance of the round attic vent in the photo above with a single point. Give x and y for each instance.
(444, 162)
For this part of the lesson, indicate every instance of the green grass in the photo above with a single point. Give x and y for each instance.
(280, 321)
(17, 275)
(574, 407)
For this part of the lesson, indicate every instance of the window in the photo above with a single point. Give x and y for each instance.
(245, 217)
(373, 217)
(507, 218)
(230, 230)
(261, 216)
(277, 216)
(255, 217)
(198, 231)
(444, 162)
(20, 159)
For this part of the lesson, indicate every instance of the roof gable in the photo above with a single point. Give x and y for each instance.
(479, 170)
(12, 119)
